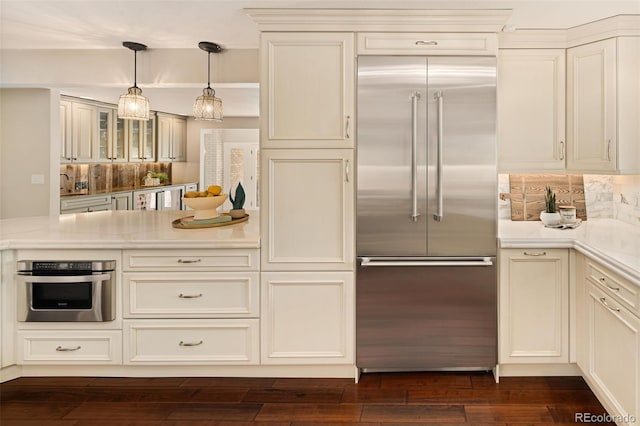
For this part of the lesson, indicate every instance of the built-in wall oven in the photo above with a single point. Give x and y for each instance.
(66, 290)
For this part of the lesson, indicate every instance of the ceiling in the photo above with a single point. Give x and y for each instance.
(96, 24)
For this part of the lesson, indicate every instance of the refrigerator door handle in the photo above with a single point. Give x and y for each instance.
(414, 156)
(438, 215)
(482, 261)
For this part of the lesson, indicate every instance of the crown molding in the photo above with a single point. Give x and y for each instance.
(614, 26)
(397, 20)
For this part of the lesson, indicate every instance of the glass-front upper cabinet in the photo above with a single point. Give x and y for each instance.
(111, 140)
(142, 143)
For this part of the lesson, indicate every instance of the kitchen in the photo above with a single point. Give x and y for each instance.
(284, 265)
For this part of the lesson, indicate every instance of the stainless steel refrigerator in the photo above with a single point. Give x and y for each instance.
(426, 293)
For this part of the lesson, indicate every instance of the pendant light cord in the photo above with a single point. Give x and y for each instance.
(135, 67)
(208, 70)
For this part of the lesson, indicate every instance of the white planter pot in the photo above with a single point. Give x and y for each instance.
(550, 219)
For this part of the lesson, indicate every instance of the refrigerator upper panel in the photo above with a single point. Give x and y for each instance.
(426, 156)
(391, 122)
(462, 172)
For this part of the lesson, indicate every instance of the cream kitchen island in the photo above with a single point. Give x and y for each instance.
(188, 301)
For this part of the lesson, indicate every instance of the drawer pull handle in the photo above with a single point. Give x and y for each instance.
(604, 302)
(63, 349)
(189, 296)
(604, 281)
(189, 261)
(544, 253)
(426, 43)
(190, 344)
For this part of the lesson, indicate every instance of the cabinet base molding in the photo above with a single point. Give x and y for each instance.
(10, 373)
(512, 370)
(307, 371)
(607, 403)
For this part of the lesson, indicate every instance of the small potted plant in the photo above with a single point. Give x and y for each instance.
(550, 215)
(237, 203)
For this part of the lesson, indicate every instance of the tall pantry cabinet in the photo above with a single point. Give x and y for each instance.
(307, 198)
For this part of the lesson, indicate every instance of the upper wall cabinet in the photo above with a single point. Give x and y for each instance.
(172, 138)
(78, 132)
(306, 90)
(603, 106)
(531, 110)
(427, 44)
(141, 136)
(111, 144)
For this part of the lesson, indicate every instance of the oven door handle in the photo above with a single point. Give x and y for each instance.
(65, 279)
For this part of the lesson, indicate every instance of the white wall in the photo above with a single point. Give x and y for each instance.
(29, 143)
(190, 170)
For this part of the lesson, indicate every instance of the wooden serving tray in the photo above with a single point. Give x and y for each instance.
(183, 222)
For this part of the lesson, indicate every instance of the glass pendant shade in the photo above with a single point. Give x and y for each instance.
(133, 106)
(207, 106)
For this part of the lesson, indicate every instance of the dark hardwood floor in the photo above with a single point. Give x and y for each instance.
(379, 399)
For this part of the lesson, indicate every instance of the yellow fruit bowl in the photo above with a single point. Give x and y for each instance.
(205, 207)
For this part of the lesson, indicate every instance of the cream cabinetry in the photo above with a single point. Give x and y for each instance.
(608, 338)
(172, 138)
(603, 105)
(307, 318)
(141, 138)
(191, 306)
(307, 220)
(82, 204)
(70, 347)
(78, 132)
(534, 306)
(531, 110)
(307, 90)
(112, 146)
(122, 200)
(427, 43)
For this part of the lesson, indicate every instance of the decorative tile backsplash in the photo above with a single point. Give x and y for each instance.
(606, 196)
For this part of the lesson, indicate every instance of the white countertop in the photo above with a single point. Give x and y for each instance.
(614, 243)
(123, 230)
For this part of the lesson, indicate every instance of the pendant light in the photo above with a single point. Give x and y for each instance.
(133, 106)
(207, 106)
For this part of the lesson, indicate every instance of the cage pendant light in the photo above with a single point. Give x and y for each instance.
(208, 106)
(132, 105)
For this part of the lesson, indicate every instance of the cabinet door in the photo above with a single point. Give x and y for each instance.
(591, 106)
(134, 138)
(105, 135)
(307, 318)
(306, 90)
(534, 306)
(149, 139)
(84, 124)
(122, 201)
(179, 139)
(613, 344)
(531, 109)
(165, 133)
(66, 132)
(308, 213)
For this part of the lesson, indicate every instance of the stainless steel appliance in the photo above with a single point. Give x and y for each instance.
(66, 290)
(426, 213)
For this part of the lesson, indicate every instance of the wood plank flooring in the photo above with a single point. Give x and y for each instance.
(380, 399)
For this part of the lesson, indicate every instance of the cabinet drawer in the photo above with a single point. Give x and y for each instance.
(427, 43)
(212, 342)
(191, 260)
(191, 295)
(69, 347)
(84, 203)
(615, 286)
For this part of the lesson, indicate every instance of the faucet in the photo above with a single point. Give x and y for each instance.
(65, 175)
